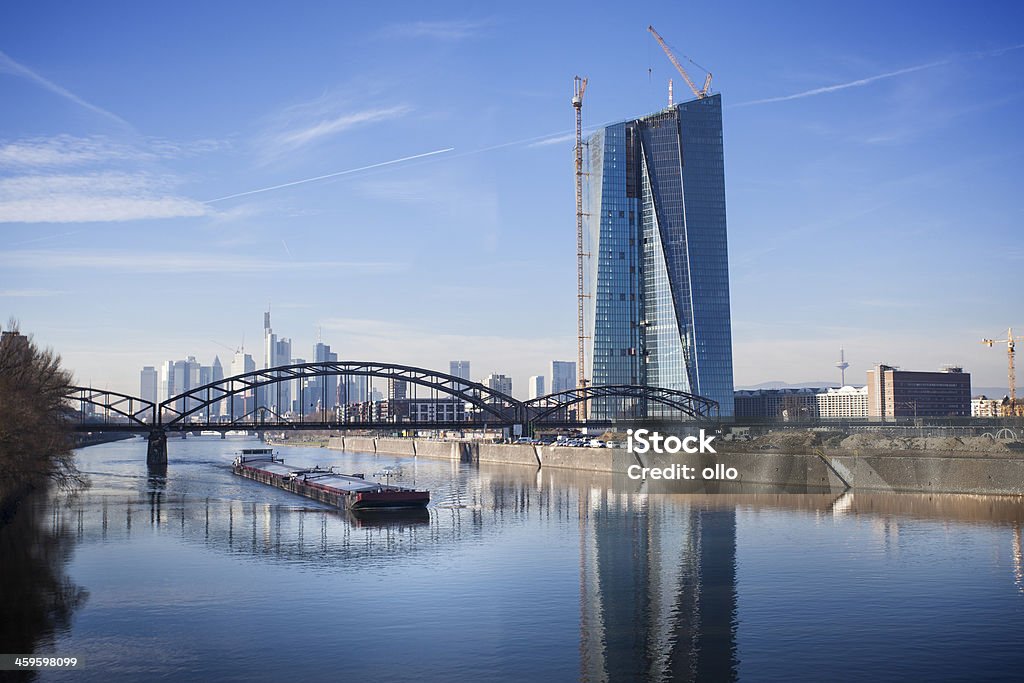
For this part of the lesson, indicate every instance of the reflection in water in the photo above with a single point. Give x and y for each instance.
(1018, 561)
(657, 575)
(658, 593)
(37, 598)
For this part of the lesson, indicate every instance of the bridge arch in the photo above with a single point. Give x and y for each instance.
(543, 407)
(497, 405)
(137, 410)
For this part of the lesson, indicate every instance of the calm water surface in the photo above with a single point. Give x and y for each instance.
(512, 575)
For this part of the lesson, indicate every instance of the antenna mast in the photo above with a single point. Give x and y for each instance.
(842, 365)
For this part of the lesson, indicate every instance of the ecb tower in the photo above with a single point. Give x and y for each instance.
(657, 311)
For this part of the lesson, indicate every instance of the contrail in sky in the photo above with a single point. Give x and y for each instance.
(9, 65)
(330, 175)
(843, 86)
(871, 79)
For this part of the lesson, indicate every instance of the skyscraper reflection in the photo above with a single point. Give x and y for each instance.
(657, 589)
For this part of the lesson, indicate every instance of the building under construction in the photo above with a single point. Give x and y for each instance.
(657, 276)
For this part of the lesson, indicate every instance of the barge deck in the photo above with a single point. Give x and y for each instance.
(344, 491)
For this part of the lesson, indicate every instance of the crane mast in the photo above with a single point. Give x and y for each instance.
(1011, 371)
(579, 86)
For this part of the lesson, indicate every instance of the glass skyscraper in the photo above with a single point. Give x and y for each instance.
(658, 278)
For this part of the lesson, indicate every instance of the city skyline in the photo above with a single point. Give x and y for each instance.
(868, 208)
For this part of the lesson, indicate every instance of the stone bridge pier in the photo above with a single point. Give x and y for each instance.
(156, 453)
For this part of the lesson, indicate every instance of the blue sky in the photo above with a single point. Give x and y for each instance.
(873, 174)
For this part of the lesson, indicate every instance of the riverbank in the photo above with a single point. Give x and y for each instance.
(925, 471)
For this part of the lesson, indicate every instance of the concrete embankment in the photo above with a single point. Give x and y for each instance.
(897, 471)
(919, 472)
(592, 459)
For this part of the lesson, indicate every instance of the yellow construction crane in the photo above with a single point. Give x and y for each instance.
(1011, 373)
(579, 87)
(703, 92)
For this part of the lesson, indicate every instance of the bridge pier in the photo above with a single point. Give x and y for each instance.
(156, 452)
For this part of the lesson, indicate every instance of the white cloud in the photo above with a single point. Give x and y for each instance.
(436, 30)
(104, 196)
(558, 139)
(28, 293)
(68, 179)
(170, 262)
(69, 151)
(336, 124)
(64, 150)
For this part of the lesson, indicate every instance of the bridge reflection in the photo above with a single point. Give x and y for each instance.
(656, 574)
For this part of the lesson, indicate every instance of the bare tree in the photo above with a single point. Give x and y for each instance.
(35, 437)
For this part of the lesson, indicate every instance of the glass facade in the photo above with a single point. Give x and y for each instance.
(657, 311)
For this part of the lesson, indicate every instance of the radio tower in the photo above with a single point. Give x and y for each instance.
(579, 86)
(842, 365)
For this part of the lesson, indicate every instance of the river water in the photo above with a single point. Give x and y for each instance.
(512, 574)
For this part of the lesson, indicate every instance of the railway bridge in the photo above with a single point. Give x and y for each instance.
(438, 401)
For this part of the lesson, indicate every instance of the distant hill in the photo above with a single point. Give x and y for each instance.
(990, 392)
(787, 385)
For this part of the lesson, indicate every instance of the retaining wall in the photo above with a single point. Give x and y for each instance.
(595, 459)
(901, 471)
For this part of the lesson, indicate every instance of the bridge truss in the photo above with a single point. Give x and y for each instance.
(244, 402)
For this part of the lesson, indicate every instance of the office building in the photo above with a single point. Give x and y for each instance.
(657, 311)
(276, 353)
(902, 393)
(501, 383)
(244, 403)
(802, 403)
(397, 389)
(459, 368)
(148, 384)
(166, 388)
(843, 402)
(322, 391)
(216, 375)
(563, 375)
(536, 387)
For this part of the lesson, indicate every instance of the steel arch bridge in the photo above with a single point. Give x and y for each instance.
(489, 402)
(485, 407)
(545, 409)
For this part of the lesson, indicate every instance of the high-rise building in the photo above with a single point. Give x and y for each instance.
(397, 389)
(245, 403)
(216, 375)
(563, 375)
(181, 381)
(148, 384)
(658, 277)
(459, 368)
(536, 386)
(502, 383)
(902, 393)
(323, 391)
(276, 352)
(166, 388)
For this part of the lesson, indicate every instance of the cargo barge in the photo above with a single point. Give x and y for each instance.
(344, 491)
